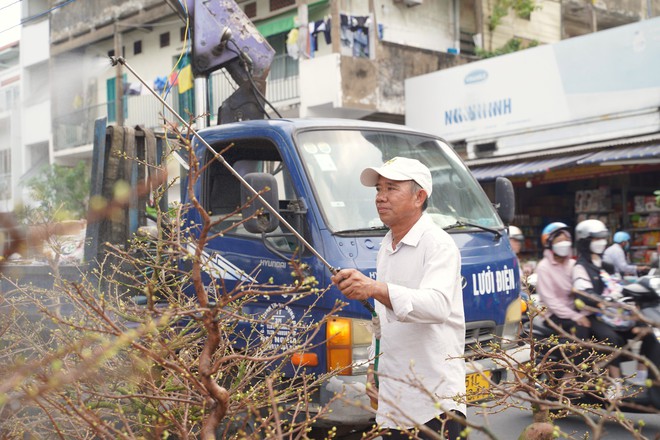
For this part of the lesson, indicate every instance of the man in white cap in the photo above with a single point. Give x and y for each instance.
(419, 300)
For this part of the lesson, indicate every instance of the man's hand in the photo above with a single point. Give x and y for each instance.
(643, 269)
(355, 285)
(372, 389)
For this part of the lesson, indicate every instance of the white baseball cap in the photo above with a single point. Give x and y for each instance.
(399, 168)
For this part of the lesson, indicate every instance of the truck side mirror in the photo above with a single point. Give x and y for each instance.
(265, 221)
(505, 199)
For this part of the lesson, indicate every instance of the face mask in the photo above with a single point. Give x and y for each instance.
(598, 246)
(562, 249)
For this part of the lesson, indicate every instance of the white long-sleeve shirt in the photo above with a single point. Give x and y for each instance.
(616, 256)
(424, 328)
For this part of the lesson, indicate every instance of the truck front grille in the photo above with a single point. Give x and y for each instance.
(479, 331)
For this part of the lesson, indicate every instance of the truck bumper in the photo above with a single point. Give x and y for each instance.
(346, 398)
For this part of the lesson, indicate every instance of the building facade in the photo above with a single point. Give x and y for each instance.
(334, 58)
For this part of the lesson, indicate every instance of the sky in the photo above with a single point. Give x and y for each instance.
(10, 15)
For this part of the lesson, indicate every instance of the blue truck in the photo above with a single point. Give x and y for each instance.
(312, 168)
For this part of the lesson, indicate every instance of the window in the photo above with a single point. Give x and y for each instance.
(111, 97)
(279, 4)
(251, 10)
(9, 97)
(333, 159)
(111, 52)
(165, 39)
(283, 65)
(137, 47)
(485, 149)
(223, 194)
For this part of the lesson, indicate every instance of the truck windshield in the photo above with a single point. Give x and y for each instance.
(335, 158)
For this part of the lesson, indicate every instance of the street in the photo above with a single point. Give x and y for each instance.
(510, 423)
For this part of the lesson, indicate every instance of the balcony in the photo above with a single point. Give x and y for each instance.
(343, 86)
(579, 17)
(77, 129)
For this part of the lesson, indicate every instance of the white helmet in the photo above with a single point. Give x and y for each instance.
(515, 233)
(592, 228)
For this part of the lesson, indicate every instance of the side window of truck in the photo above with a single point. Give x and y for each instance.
(224, 198)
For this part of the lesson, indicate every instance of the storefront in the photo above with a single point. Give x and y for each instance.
(575, 125)
(614, 184)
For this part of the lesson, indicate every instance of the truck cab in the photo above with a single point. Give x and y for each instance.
(312, 168)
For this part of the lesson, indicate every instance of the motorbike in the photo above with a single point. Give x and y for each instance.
(644, 294)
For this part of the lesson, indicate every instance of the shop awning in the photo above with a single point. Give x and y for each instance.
(529, 168)
(284, 22)
(641, 155)
(277, 25)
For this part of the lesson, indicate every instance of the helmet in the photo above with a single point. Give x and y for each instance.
(621, 236)
(592, 228)
(550, 232)
(515, 233)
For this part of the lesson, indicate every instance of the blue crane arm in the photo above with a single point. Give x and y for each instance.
(224, 37)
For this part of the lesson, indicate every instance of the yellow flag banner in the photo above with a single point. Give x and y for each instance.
(185, 79)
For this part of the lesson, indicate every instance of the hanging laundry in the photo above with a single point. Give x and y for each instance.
(159, 83)
(360, 43)
(360, 25)
(292, 46)
(324, 27)
(318, 27)
(134, 88)
(312, 39)
(345, 33)
(77, 102)
(173, 80)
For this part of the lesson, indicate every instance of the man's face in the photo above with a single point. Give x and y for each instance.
(397, 202)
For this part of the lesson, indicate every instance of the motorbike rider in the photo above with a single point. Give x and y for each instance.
(589, 276)
(516, 239)
(616, 256)
(554, 282)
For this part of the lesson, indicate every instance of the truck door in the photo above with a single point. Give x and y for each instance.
(240, 255)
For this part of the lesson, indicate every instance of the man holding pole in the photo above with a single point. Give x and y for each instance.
(419, 300)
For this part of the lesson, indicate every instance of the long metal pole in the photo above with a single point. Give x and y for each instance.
(119, 79)
(120, 60)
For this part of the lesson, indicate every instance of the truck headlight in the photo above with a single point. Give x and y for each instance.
(348, 342)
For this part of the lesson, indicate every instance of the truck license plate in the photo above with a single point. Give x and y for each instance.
(477, 386)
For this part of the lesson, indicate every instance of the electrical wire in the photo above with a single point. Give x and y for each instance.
(247, 71)
(166, 91)
(36, 16)
(184, 50)
(10, 4)
(258, 95)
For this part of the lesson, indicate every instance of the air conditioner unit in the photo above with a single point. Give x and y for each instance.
(410, 3)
